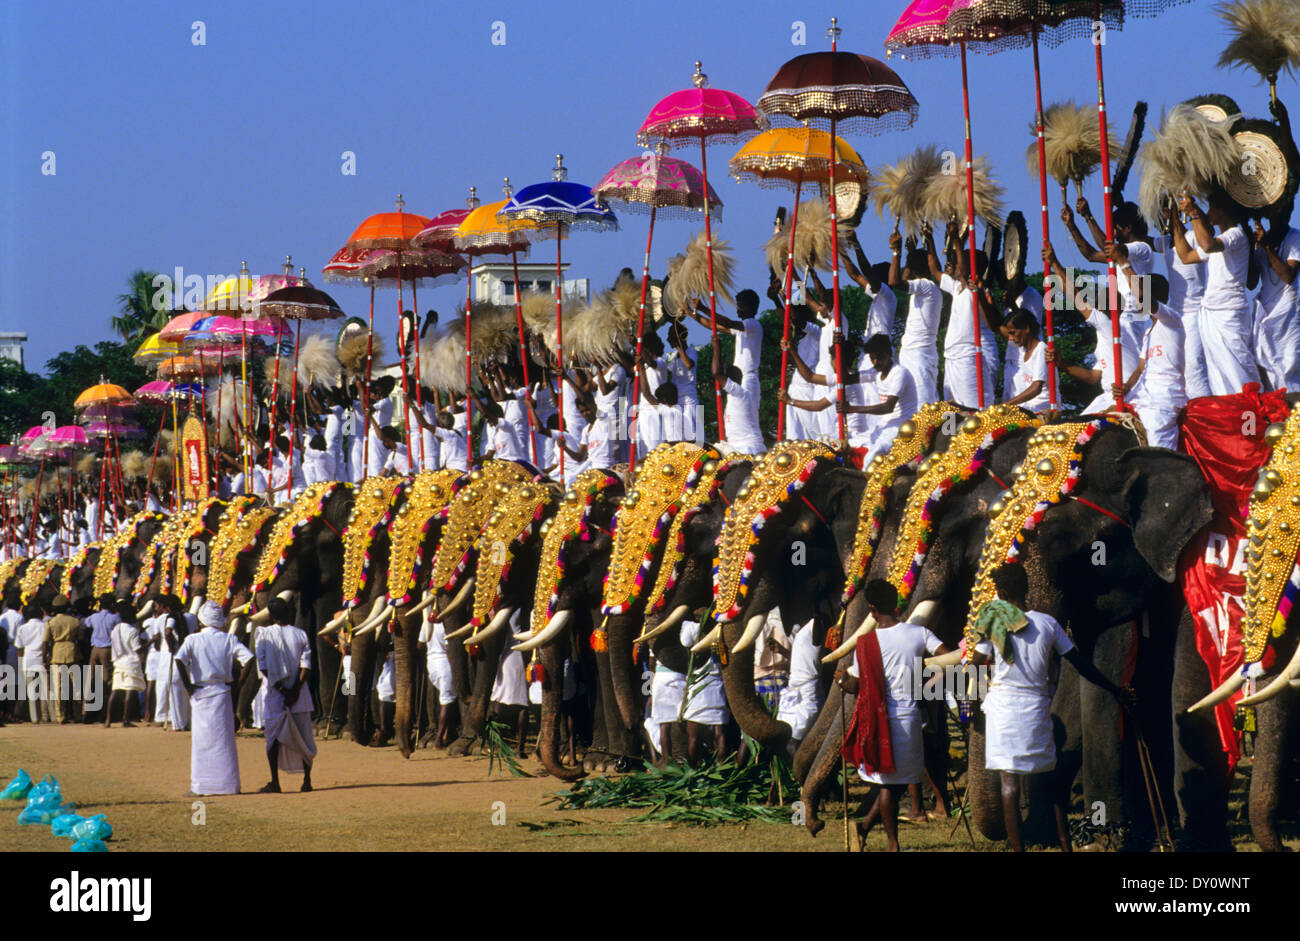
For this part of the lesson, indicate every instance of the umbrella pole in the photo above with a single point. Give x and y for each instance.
(176, 461)
(523, 343)
(1112, 304)
(36, 509)
(970, 227)
(401, 349)
(469, 369)
(103, 507)
(640, 334)
(1047, 269)
(835, 292)
(785, 329)
(117, 474)
(365, 391)
(419, 395)
(293, 400)
(713, 303)
(275, 395)
(243, 371)
(154, 459)
(559, 333)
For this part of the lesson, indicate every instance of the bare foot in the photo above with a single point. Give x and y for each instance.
(306, 786)
(270, 788)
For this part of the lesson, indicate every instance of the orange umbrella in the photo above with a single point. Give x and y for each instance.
(104, 393)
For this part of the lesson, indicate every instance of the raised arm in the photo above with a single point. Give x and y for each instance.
(1085, 249)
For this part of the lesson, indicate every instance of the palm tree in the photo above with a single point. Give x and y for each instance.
(139, 318)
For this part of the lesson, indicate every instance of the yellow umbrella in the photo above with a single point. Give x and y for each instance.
(105, 393)
(155, 350)
(231, 295)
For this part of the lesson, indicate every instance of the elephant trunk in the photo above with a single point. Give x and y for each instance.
(405, 670)
(548, 741)
(823, 760)
(742, 699)
(1267, 781)
(620, 631)
(806, 754)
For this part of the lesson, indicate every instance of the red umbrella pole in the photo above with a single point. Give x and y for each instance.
(713, 301)
(275, 395)
(523, 344)
(970, 226)
(419, 396)
(640, 333)
(153, 460)
(469, 367)
(789, 285)
(1112, 303)
(36, 507)
(103, 507)
(835, 291)
(401, 349)
(559, 332)
(365, 391)
(1047, 269)
(293, 399)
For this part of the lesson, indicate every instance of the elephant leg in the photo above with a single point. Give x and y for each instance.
(826, 759)
(1271, 757)
(1103, 750)
(548, 739)
(983, 789)
(474, 712)
(1200, 764)
(406, 632)
(363, 675)
(597, 755)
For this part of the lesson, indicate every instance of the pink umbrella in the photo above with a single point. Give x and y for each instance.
(655, 184)
(68, 437)
(176, 328)
(700, 113)
(108, 429)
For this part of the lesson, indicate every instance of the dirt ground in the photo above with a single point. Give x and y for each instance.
(364, 799)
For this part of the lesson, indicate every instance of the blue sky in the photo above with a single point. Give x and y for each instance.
(169, 153)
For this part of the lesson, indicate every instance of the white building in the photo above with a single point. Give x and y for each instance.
(11, 346)
(495, 282)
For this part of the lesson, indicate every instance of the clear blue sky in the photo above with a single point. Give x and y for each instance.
(168, 153)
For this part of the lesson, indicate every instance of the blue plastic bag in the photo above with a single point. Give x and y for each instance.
(89, 846)
(62, 825)
(93, 828)
(17, 789)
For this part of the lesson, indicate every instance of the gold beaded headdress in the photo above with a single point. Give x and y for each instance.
(513, 517)
(1273, 540)
(372, 506)
(643, 519)
(777, 476)
(238, 533)
(110, 558)
(427, 499)
(198, 525)
(75, 564)
(155, 558)
(309, 506)
(674, 551)
(938, 474)
(913, 439)
(34, 577)
(1051, 470)
(7, 569)
(568, 523)
(468, 512)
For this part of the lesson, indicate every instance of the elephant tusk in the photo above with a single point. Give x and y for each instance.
(197, 603)
(288, 595)
(243, 608)
(951, 658)
(753, 627)
(708, 640)
(844, 649)
(559, 620)
(461, 597)
(332, 626)
(461, 632)
(237, 624)
(922, 613)
(429, 599)
(144, 611)
(500, 620)
(377, 618)
(667, 624)
(1222, 694)
(1281, 682)
(261, 617)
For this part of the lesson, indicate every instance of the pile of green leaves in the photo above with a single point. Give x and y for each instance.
(716, 792)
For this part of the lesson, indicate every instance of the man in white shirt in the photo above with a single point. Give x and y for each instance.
(1131, 232)
(1018, 708)
(918, 351)
(205, 663)
(127, 647)
(382, 409)
(433, 636)
(680, 365)
(1157, 386)
(11, 618)
(284, 660)
(874, 281)
(593, 447)
(1186, 287)
(1225, 323)
(800, 702)
(960, 380)
(29, 641)
(747, 332)
(1277, 324)
(740, 413)
(1029, 388)
(889, 397)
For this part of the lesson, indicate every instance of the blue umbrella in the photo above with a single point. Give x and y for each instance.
(554, 208)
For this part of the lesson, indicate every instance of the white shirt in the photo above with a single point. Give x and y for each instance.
(1162, 383)
(126, 641)
(808, 348)
(740, 415)
(209, 656)
(959, 341)
(1032, 648)
(1142, 260)
(1225, 271)
(901, 646)
(1275, 295)
(283, 650)
(1033, 368)
(749, 346)
(880, 316)
(31, 637)
(921, 333)
(607, 402)
(1102, 352)
(1186, 282)
(682, 373)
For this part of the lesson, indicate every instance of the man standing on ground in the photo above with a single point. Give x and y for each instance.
(101, 624)
(205, 663)
(62, 631)
(128, 672)
(284, 660)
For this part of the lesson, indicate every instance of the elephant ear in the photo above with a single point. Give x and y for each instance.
(1168, 502)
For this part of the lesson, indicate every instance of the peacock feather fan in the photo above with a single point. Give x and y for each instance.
(689, 280)
(1071, 144)
(1189, 153)
(944, 197)
(1265, 36)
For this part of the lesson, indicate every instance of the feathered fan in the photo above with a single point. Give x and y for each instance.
(85, 464)
(352, 347)
(135, 466)
(812, 238)
(493, 331)
(944, 197)
(1189, 154)
(442, 357)
(1265, 37)
(900, 187)
(1071, 144)
(600, 329)
(689, 279)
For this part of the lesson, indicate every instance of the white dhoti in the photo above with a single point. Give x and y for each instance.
(1161, 423)
(292, 730)
(214, 764)
(510, 688)
(1018, 731)
(151, 666)
(799, 708)
(1195, 376)
(960, 383)
(173, 699)
(1277, 345)
(440, 677)
(925, 373)
(127, 674)
(1228, 348)
(259, 707)
(907, 744)
(706, 702)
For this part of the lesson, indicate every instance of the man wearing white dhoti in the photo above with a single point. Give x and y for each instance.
(898, 648)
(433, 636)
(1018, 706)
(801, 700)
(127, 645)
(173, 701)
(205, 663)
(667, 690)
(509, 696)
(705, 705)
(284, 660)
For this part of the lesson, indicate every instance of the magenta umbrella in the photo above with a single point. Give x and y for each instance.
(68, 437)
(700, 113)
(113, 429)
(655, 184)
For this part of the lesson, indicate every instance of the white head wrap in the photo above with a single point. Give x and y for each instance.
(210, 615)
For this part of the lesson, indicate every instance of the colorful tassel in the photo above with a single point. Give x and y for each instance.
(600, 641)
